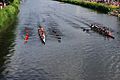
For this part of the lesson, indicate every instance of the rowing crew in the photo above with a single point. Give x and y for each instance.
(41, 32)
(102, 30)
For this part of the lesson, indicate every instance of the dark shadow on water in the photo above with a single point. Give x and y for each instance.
(56, 33)
(7, 43)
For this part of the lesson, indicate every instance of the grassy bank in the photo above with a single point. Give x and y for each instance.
(9, 14)
(92, 5)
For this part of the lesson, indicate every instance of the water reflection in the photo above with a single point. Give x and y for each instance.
(7, 43)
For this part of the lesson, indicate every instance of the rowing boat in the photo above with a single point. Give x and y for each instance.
(41, 35)
(102, 30)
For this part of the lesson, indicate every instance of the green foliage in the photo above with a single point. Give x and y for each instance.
(11, 1)
(8, 14)
(92, 5)
(97, 6)
(3, 17)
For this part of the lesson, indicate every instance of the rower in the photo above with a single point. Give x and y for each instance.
(42, 31)
(92, 26)
(26, 38)
(109, 33)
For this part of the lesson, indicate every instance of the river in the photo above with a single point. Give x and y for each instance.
(69, 53)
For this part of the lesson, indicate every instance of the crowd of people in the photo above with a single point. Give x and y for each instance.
(111, 2)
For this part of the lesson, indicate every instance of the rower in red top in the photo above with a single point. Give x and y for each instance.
(26, 37)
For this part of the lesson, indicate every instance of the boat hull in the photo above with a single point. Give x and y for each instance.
(42, 37)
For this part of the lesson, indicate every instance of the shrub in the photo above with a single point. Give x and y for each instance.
(92, 5)
(8, 14)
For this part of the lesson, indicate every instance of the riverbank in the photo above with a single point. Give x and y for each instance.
(115, 13)
(101, 7)
(9, 14)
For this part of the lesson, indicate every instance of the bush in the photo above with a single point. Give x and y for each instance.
(3, 18)
(92, 5)
(96, 6)
(8, 14)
